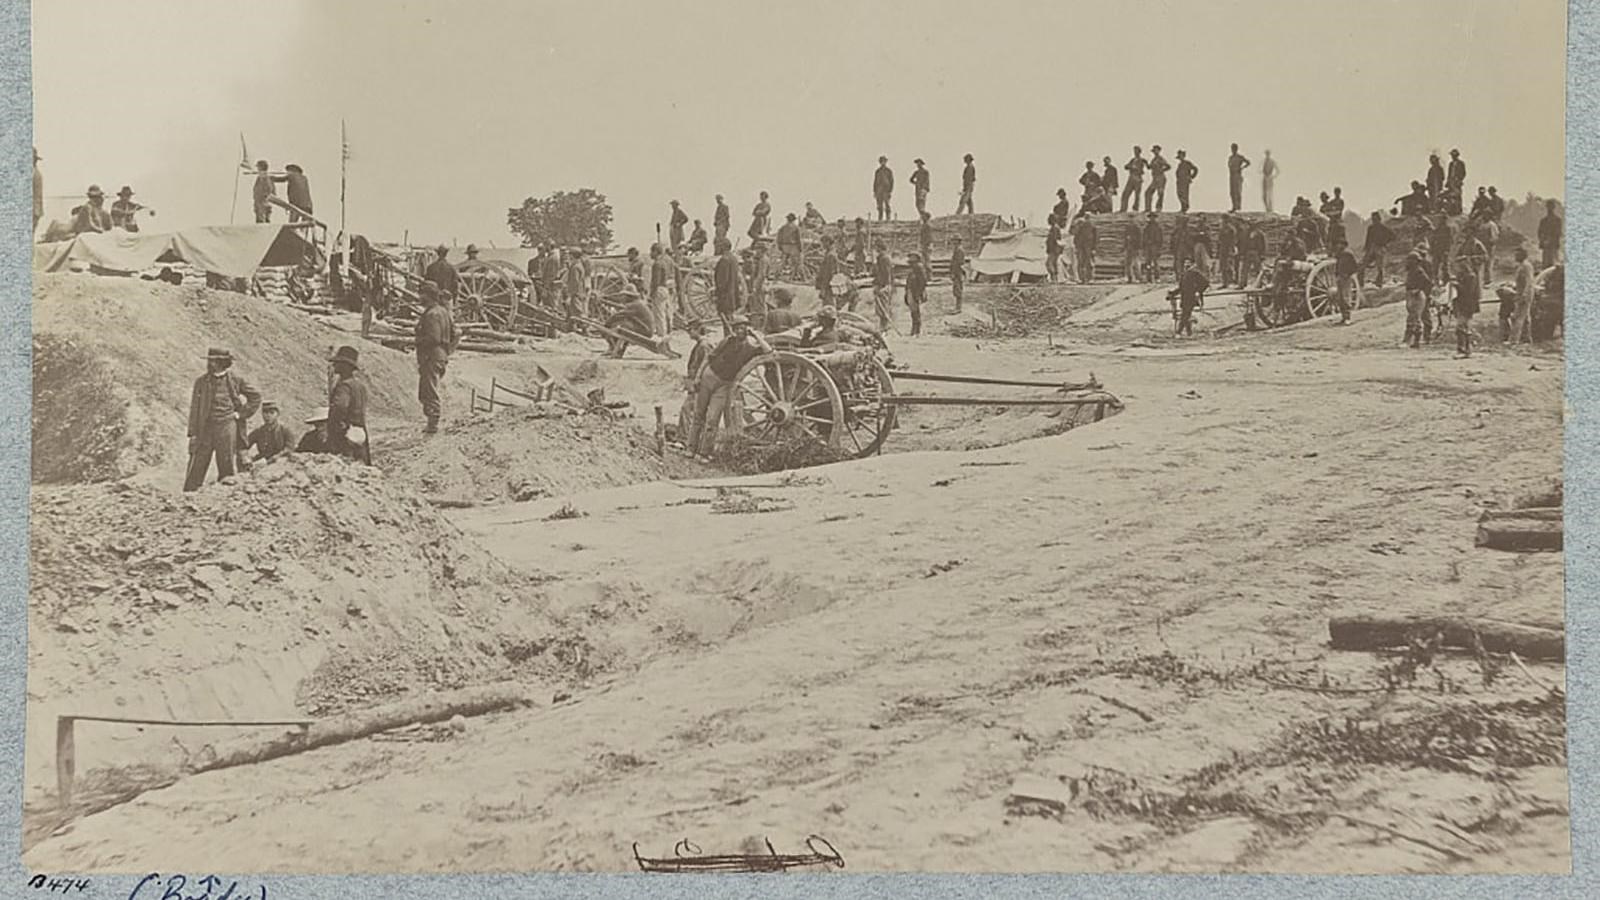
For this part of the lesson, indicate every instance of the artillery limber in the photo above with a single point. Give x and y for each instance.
(1292, 291)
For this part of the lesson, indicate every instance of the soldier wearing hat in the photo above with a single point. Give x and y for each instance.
(760, 217)
(958, 270)
(721, 218)
(789, 246)
(727, 284)
(347, 407)
(825, 332)
(715, 383)
(298, 189)
(91, 217)
(124, 210)
(675, 224)
(1154, 244)
(219, 406)
(883, 189)
(1157, 191)
(1419, 287)
(781, 317)
(755, 304)
(920, 182)
(442, 274)
(882, 284)
(272, 437)
(1186, 173)
(1135, 167)
(660, 288)
(969, 177)
(472, 252)
(436, 339)
(263, 190)
(315, 440)
(916, 291)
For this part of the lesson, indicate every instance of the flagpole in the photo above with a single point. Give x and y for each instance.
(344, 159)
(244, 161)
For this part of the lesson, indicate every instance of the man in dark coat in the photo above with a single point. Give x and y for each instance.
(1469, 292)
(1154, 244)
(1379, 237)
(969, 177)
(883, 189)
(1435, 182)
(727, 284)
(347, 408)
(916, 291)
(1155, 196)
(1186, 173)
(760, 217)
(1108, 179)
(436, 339)
(882, 285)
(1457, 175)
(921, 183)
(827, 267)
(958, 270)
(442, 274)
(722, 218)
(1237, 163)
(1135, 168)
(697, 238)
(1549, 235)
(298, 190)
(1191, 293)
(1345, 269)
(675, 223)
(262, 190)
(1090, 179)
(714, 385)
(1062, 210)
(272, 437)
(219, 406)
(1084, 241)
(1052, 249)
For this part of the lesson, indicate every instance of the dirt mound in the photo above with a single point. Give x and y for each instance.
(114, 361)
(534, 451)
(307, 586)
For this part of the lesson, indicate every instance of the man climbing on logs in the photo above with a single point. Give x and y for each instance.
(1237, 163)
(1154, 243)
(347, 408)
(219, 406)
(1135, 169)
(1157, 191)
(883, 189)
(715, 384)
(436, 339)
(1186, 173)
(882, 285)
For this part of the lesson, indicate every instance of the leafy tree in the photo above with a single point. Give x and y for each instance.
(580, 218)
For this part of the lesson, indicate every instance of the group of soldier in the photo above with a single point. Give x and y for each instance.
(223, 402)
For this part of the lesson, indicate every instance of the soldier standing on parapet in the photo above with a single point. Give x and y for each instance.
(969, 177)
(219, 406)
(883, 189)
(1062, 209)
(1157, 191)
(920, 183)
(1135, 168)
(1435, 181)
(298, 190)
(1237, 163)
(1269, 175)
(1186, 173)
(722, 219)
(436, 339)
(675, 225)
(1108, 181)
(760, 218)
(263, 190)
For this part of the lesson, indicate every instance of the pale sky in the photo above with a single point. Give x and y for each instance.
(458, 109)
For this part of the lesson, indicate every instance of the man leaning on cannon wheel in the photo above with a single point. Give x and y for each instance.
(714, 386)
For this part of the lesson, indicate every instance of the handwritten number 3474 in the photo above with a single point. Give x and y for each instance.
(175, 884)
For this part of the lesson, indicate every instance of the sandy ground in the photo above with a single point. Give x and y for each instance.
(1133, 612)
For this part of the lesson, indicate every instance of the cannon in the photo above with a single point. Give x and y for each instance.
(1293, 291)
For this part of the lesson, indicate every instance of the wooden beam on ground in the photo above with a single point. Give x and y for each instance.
(1520, 534)
(1391, 632)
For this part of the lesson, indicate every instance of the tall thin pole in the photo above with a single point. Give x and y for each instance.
(344, 159)
(244, 163)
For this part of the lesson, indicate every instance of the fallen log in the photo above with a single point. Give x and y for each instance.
(1385, 632)
(406, 344)
(1520, 534)
(1541, 513)
(473, 701)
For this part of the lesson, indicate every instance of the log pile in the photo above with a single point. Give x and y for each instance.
(901, 237)
(1522, 530)
(1111, 229)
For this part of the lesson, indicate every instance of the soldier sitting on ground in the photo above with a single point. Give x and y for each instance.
(316, 440)
(273, 437)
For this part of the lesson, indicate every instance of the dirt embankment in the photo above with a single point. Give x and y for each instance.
(115, 361)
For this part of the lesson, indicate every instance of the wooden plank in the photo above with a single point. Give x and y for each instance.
(1387, 632)
(1521, 535)
(902, 400)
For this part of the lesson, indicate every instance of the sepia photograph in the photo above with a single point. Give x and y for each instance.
(528, 436)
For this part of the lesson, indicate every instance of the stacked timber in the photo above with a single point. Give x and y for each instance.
(902, 238)
(1111, 229)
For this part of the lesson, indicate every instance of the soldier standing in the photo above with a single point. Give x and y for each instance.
(675, 225)
(1419, 284)
(722, 218)
(826, 269)
(1379, 237)
(1435, 181)
(1135, 169)
(1255, 251)
(858, 251)
(882, 285)
(1052, 249)
(958, 270)
(883, 188)
(1132, 242)
(436, 339)
(760, 217)
(1192, 286)
(1227, 251)
(969, 177)
(661, 290)
(1549, 235)
(1440, 242)
(760, 270)
(1108, 180)
(1456, 177)
(1465, 305)
(441, 273)
(1345, 269)
(219, 406)
(925, 237)
(1186, 173)
(1269, 175)
(920, 183)
(1084, 241)
(916, 291)
(1157, 190)
(1090, 179)
(1237, 163)
(1153, 241)
(1062, 207)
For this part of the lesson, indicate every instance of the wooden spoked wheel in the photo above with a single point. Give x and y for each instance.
(1321, 285)
(487, 294)
(783, 397)
(868, 418)
(609, 285)
(1270, 312)
(697, 299)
